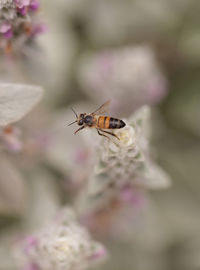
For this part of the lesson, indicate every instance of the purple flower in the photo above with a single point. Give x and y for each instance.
(5, 27)
(34, 5)
(39, 29)
(131, 195)
(8, 34)
(23, 11)
(99, 254)
(32, 266)
(24, 6)
(19, 23)
(30, 243)
(6, 30)
(22, 3)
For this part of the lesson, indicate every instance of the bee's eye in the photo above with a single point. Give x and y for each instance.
(80, 122)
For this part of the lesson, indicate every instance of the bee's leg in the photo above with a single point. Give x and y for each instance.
(111, 134)
(79, 129)
(101, 134)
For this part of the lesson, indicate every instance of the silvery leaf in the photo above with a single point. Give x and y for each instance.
(152, 176)
(16, 100)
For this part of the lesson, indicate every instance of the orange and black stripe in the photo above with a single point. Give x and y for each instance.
(103, 122)
(106, 122)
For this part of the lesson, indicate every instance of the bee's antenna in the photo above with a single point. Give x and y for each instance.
(74, 112)
(76, 117)
(72, 123)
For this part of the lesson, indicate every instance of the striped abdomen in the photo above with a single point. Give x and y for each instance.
(106, 122)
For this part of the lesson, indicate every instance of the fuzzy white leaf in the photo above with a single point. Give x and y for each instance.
(153, 177)
(16, 100)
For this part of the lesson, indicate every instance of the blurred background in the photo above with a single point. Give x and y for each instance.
(133, 52)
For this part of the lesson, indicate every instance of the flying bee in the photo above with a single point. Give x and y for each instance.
(96, 120)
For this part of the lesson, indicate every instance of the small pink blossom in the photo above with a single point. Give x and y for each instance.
(101, 253)
(81, 156)
(22, 3)
(5, 27)
(157, 89)
(6, 30)
(30, 243)
(23, 11)
(34, 5)
(32, 266)
(128, 194)
(39, 29)
(20, 27)
(8, 34)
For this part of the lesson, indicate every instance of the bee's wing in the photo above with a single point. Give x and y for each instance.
(102, 109)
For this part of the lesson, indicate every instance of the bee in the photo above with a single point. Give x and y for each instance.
(96, 120)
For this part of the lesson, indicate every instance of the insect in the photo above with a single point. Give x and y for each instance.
(96, 120)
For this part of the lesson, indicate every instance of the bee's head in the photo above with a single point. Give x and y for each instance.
(80, 119)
